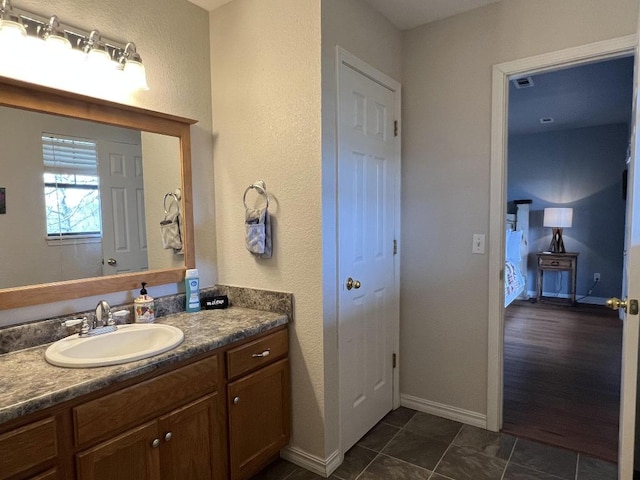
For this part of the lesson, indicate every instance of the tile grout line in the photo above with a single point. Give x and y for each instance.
(513, 449)
(447, 449)
(384, 446)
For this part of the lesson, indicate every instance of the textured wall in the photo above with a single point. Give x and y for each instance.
(446, 159)
(163, 152)
(265, 64)
(172, 38)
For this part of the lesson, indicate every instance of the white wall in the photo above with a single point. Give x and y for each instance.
(446, 147)
(268, 76)
(265, 68)
(172, 38)
(163, 153)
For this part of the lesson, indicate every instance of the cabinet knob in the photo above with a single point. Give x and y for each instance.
(236, 400)
(167, 436)
(155, 443)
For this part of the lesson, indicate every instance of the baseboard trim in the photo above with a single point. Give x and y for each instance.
(446, 411)
(590, 300)
(323, 467)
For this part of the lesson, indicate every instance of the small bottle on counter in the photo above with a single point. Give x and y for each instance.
(192, 289)
(143, 306)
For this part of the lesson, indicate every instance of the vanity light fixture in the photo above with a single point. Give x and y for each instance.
(96, 51)
(79, 56)
(133, 67)
(10, 22)
(54, 35)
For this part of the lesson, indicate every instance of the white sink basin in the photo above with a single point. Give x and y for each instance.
(127, 344)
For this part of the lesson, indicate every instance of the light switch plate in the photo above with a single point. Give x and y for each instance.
(478, 244)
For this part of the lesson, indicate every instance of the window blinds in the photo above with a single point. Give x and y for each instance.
(69, 155)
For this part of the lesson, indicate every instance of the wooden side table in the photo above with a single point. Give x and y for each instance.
(558, 262)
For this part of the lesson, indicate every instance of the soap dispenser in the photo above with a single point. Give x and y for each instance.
(143, 306)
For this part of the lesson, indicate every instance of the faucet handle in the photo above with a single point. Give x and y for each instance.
(73, 322)
(84, 330)
(110, 321)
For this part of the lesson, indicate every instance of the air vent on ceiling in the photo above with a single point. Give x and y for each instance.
(524, 82)
(545, 120)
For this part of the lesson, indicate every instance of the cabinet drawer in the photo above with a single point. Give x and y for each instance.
(48, 475)
(555, 262)
(28, 447)
(258, 353)
(129, 406)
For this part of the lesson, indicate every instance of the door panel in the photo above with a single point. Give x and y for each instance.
(123, 214)
(130, 455)
(368, 167)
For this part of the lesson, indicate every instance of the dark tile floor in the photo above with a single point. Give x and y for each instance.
(412, 445)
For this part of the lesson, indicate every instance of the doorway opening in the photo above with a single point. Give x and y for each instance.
(502, 74)
(568, 137)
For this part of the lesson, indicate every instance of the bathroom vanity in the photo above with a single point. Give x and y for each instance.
(215, 407)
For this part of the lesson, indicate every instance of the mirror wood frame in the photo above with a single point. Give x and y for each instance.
(27, 96)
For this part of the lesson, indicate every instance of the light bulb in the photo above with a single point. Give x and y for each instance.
(99, 56)
(57, 42)
(10, 30)
(136, 76)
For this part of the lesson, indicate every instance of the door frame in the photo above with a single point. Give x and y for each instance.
(605, 50)
(351, 61)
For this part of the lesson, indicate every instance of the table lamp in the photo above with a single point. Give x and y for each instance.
(557, 219)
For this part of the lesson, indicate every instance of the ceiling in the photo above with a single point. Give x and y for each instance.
(404, 14)
(584, 96)
(589, 95)
(408, 14)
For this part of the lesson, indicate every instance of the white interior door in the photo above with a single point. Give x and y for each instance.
(368, 174)
(632, 283)
(124, 235)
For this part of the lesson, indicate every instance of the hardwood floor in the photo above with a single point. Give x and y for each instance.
(562, 376)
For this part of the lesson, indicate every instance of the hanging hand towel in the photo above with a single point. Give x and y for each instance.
(258, 232)
(170, 231)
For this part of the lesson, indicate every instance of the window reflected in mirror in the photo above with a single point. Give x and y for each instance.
(87, 198)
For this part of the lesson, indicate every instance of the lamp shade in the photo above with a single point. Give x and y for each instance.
(558, 217)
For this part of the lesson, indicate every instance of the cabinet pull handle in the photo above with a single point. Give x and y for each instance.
(262, 355)
(555, 263)
(155, 443)
(167, 436)
(236, 400)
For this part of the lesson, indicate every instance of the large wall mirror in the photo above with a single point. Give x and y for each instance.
(86, 184)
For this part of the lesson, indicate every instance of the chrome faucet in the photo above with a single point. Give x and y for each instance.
(102, 321)
(103, 316)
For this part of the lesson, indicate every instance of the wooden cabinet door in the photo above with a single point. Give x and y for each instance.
(134, 455)
(259, 418)
(190, 442)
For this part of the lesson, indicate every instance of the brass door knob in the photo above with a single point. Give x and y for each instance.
(629, 306)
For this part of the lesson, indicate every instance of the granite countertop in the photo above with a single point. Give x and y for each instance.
(29, 384)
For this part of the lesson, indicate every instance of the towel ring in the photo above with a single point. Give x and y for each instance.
(262, 190)
(164, 202)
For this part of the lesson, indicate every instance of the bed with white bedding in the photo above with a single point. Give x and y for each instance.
(516, 250)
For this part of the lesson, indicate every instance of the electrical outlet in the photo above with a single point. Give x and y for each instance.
(478, 244)
(596, 277)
